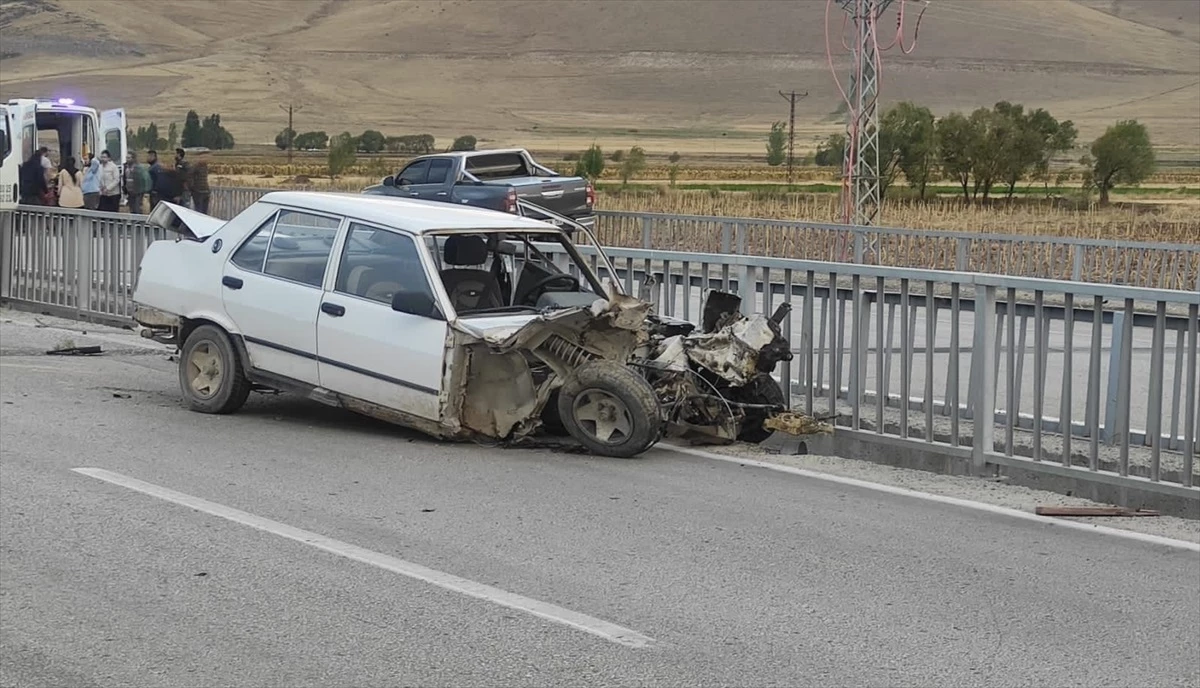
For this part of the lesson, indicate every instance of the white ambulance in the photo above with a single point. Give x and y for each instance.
(67, 129)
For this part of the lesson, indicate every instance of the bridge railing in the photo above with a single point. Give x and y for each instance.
(1133, 263)
(1096, 382)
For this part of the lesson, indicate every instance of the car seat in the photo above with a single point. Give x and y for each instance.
(469, 288)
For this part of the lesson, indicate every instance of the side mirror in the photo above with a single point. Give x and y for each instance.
(389, 180)
(416, 303)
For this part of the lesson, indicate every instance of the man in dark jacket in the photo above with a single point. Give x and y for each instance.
(158, 182)
(199, 183)
(33, 180)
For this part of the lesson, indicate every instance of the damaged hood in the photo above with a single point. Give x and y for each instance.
(732, 352)
(183, 221)
(506, 332)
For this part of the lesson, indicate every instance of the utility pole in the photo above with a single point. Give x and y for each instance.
(791, 98)
(860, 187)
(291, 139)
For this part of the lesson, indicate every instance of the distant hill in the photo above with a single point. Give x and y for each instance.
(668, 74)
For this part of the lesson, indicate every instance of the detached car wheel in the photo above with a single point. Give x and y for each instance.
(610, 410)
(210, 373)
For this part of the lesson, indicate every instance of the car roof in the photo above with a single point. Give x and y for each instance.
(405, 214)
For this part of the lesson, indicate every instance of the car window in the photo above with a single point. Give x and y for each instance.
(300, 247)
(377, 263)
(251, 254)
(439, 171)
(414, 173)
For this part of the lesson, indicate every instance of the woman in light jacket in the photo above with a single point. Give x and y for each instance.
(70, 194)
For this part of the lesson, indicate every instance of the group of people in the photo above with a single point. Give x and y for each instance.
(100, 184)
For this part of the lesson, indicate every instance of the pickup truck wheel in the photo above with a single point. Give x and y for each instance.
(210, 372)
(610, 410)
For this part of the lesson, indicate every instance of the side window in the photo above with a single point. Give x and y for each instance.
(27, 142)
(300, 247)
(112, 144)
(377, 263)
(414, 173)
(439, 170)
(250, 255)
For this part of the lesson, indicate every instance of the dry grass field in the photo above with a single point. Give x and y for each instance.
(695, 76)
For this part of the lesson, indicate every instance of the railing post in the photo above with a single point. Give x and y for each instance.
(646, 228)
(747, 287)
(962, 254)
(859, 240)
(1077, 264)
(1112, 391)
(7, 227)
(83, 228)
(982, 391)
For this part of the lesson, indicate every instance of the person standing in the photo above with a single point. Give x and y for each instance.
(183, 174)
(110, 184)
(91, 183)
(199, 184)
(157, 182)
(70, 194)
(137, 182)
(33, 181)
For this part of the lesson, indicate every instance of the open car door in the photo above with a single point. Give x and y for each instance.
(112, 127)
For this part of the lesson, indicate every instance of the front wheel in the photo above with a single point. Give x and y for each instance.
(610, 410)
(210, 372)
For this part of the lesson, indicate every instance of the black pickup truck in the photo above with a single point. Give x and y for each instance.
(493, 179)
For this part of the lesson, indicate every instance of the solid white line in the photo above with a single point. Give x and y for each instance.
(545, 610)
(965, 503)
(132, 341)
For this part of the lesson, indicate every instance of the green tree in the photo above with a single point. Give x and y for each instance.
(955, 135)
(212, 134)
(633, 163)
(674, 157)
(191, 130)
(1122, 155)
(312, 140)
(591, 163)
(172, 136)
(342, 153)
(464, 143)
(831, 152)
(285, 138)
(777, 144)
(907, 144)
(371, 141)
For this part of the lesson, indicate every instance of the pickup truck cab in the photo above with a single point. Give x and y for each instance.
(496, 180)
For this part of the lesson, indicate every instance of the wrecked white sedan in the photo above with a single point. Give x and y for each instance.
(461, 323)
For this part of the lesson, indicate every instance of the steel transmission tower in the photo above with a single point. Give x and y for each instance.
(791, 98)
(860, 169)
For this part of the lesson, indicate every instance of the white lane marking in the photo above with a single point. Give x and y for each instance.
(545, 610)
(46, 369)
(133, 341)
(965, 503)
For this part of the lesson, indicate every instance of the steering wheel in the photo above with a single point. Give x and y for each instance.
(548, 279)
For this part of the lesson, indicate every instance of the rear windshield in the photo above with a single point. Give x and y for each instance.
(498, 165)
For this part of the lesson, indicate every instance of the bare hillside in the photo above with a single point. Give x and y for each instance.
(670, 74)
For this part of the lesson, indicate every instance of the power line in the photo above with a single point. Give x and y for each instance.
(791, 98)
(291, 137)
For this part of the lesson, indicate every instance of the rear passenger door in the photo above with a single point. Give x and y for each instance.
(272, 288)
(369, 351)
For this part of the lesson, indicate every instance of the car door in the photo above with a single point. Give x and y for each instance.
(112, 127)
(435, 187)
(368, 350)
(410, 180)
(272, 286)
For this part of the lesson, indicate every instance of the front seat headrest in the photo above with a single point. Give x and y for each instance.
(465, 249)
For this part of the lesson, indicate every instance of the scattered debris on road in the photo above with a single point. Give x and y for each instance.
(75, 351)
(1092, 511)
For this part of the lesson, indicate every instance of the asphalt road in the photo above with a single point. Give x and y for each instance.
(739, 576)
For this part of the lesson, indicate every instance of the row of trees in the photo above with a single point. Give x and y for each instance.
(591, 162)
(988, 149)
(371, 141)
(208, 133)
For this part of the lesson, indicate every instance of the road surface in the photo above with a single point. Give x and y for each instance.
(284, 545)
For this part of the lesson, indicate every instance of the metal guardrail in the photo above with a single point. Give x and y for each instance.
(1139, 264)
(1050, 376)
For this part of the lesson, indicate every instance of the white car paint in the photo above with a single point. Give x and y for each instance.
(369, 351)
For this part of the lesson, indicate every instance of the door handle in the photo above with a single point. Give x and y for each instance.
(333, 309)
(232, 282)
(415, 193)
(442, 193)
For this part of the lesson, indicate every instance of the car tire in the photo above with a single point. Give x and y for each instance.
(211, 375)
(610, 410)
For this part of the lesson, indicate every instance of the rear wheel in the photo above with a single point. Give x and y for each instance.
(610, 410)
(210, 373)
